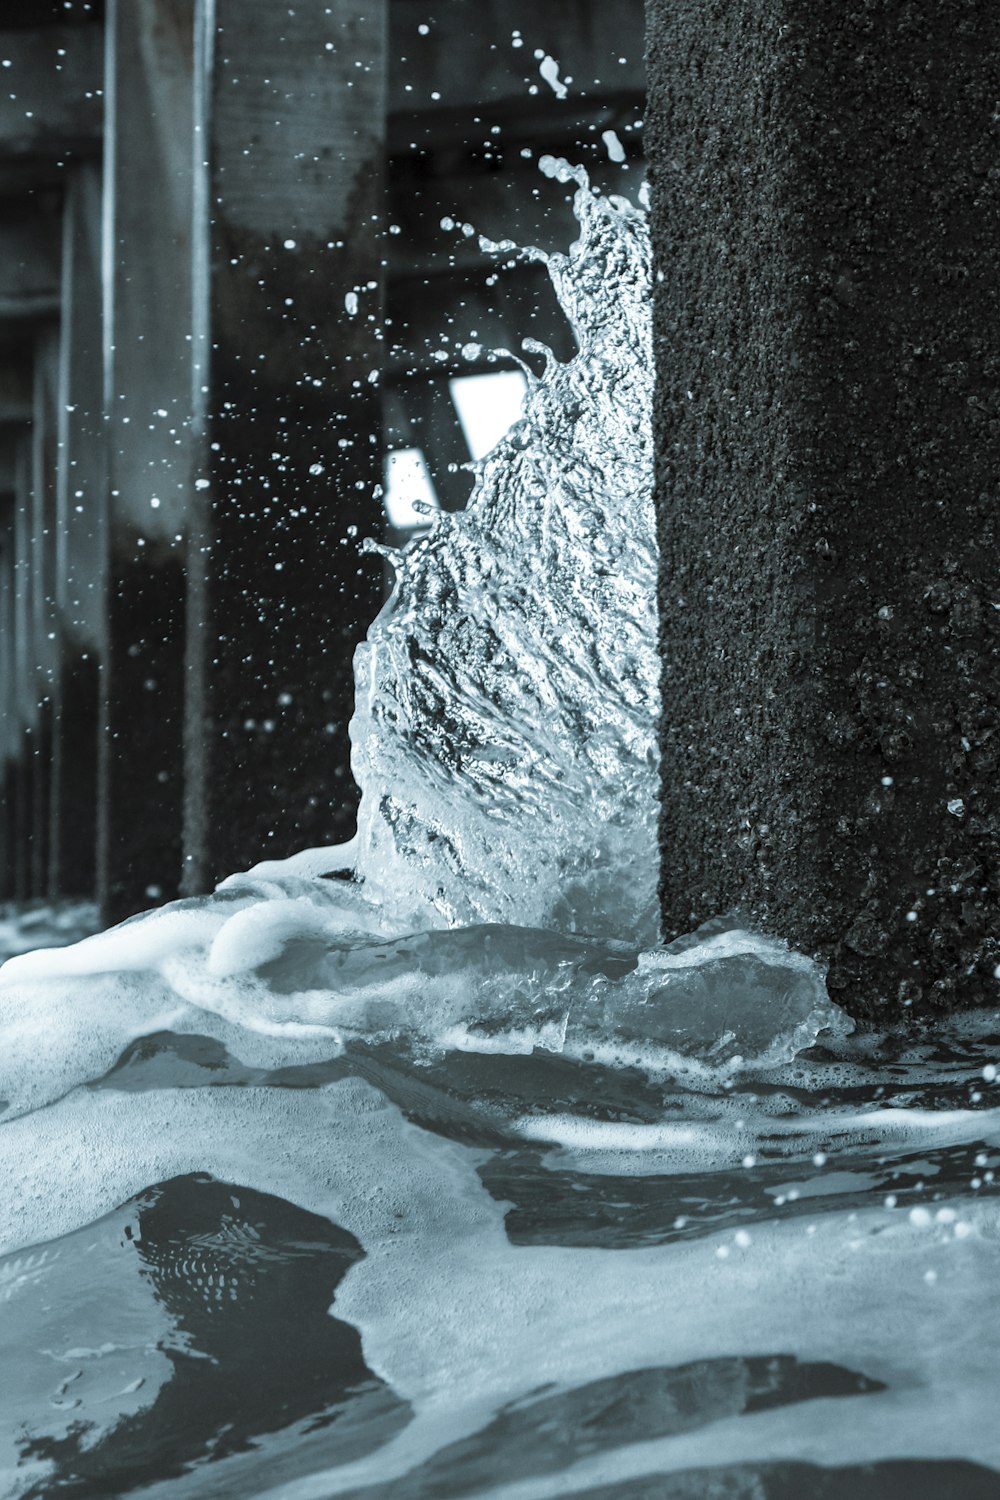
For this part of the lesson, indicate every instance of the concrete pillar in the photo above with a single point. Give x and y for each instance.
(288, 324)
(80, 585)
(244, 300)
(148, 208)
(826, 221)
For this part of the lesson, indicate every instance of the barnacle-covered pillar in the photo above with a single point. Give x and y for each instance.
(826, 219)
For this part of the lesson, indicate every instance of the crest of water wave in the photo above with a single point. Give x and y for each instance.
(506, 697)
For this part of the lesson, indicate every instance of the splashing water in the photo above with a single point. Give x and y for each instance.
(506, 699)
(447, 1181)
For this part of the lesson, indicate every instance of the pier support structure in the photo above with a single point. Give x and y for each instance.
(289, 311)
(243, 407)
(826, 219)
(238, 271)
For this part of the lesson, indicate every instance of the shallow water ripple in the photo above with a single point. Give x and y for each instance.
(483, 1236)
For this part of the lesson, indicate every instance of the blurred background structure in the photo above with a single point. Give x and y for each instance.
(246, 321)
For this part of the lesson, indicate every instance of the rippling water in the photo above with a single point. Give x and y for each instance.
(488, 1211)
(446, 1180)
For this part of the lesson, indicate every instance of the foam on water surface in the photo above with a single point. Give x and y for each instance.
(283, 980)
(583, 1211)
(533, 1220)
(460, 1323)
(26, 927)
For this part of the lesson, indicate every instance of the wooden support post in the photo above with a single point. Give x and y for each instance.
(10, 738)
(31, 763)
(826, 223)
(291, 110)
(21, 705)
(18, 703)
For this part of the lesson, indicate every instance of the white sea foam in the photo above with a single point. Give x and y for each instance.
(284, 979)
(462, 1322)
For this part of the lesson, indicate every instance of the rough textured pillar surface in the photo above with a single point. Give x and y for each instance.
(826, 216)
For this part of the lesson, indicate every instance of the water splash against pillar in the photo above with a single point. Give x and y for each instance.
(503, 735)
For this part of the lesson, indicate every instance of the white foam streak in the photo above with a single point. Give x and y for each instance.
(735, 1132)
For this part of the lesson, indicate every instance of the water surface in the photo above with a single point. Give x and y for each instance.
(443, 1179)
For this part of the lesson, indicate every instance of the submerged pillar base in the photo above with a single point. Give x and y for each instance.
(826, 221)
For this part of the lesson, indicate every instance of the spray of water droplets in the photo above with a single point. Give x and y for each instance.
(503, 734)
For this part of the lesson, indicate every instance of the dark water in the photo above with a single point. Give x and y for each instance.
(389, 1265)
